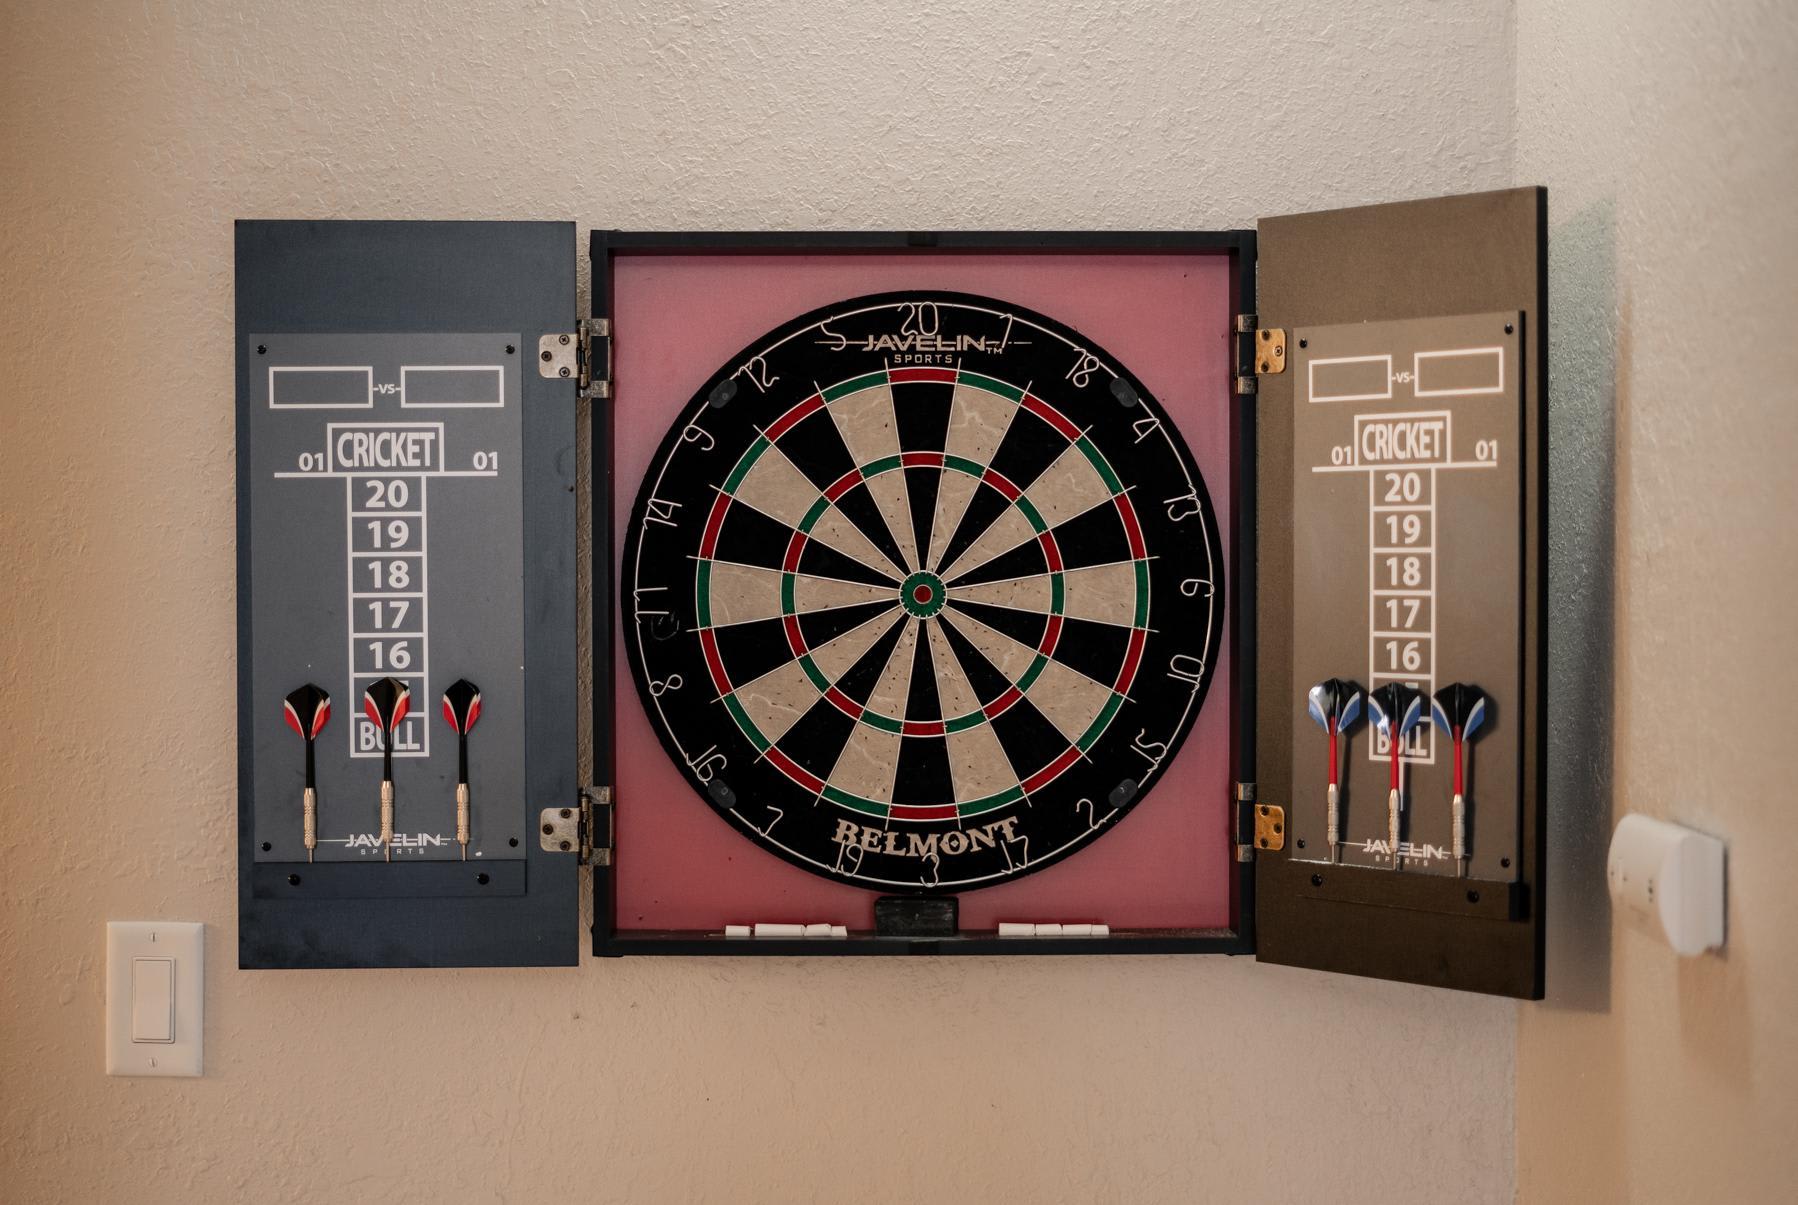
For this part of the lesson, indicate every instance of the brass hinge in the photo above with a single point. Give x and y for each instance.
(583, 355)
(1270, 826)
(585, 829)
(1264, 354)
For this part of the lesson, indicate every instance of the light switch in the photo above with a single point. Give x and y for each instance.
(155, 989)
(152, 999)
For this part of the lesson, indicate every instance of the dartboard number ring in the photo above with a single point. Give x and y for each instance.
(922, 591)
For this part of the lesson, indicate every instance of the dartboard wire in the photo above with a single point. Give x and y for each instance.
(1065, 569)
(736, 501)
(816, 577)
(739, 687)
(885, 519)
(1022, 487)
(964, 571)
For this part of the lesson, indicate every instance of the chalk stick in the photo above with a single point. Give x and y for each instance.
(736, 930)
(765, 929)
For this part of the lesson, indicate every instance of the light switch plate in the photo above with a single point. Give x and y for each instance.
(155, 973)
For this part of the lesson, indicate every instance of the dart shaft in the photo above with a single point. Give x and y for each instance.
(311, 816)
(1392, 811)
(387, 817)
(1333, 762)
(1332, 827)
(311, 766)
(1460, 835)
(462, 818)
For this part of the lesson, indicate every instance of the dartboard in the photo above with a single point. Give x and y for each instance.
(922, 591)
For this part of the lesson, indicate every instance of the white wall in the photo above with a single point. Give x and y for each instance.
(132, 135)
(1665, 133)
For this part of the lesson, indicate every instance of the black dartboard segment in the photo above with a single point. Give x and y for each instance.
(922, 591)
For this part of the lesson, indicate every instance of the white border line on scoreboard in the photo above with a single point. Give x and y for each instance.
(1417, 359)
(1311, 380)
(367, 372)
(499, 371)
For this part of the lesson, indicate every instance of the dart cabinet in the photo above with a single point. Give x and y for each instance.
(943, 585)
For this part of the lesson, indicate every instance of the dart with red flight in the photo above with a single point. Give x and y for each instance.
(1396, 710)
(1459, 709)
(386, 703)
(306, 711)
(461, 708)
(1335, 704)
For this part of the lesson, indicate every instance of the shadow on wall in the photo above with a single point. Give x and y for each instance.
(1582, 539)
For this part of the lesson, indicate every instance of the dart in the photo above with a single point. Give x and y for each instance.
(386, 703)
(1334, 704)
(1396, 710)
(462, 707)
(306, 711)
(1459, 710)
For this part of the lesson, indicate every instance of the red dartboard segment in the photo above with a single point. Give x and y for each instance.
(794, 770)
(900, 376)
(713, 663)
(795, 637)
(921, 460)
(1132, 528)
(1051, 415)
(1132, 659)
(844, 703)
(708, 541)
(790, 562)
(793, 417)
(842, 485)
(1051, 551)
(1001, 483)
(1003, 703)
(1051, 636)
(1052, 771)
(912, 811)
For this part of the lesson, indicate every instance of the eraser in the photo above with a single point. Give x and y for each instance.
(1012, 928)
(736, 930)
(765, 929)
(1076, 930)
(817, 930)
(1048, 930)
(839, 930)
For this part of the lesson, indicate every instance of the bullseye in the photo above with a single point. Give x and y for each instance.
(922, 594)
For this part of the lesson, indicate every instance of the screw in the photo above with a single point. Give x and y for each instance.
(293, 880)
(1505, 862)
(1317, 880)
(1301, 843)
(566, 846)
(1509, 327)
(266, 847)
(1473, 897)
(565, 372)
(549, 830)
(262, 349)
(1304, 343)
(567, 812)
(547, 356)
(481, 878)
(510, 349)
(512, 841)
(563, 340)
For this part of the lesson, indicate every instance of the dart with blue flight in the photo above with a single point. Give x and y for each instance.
(1396, 709)
(306, 711)
(1335, 704)
(386, 702)
(1459, 710)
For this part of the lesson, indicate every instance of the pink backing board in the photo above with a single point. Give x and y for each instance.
(1166, 316)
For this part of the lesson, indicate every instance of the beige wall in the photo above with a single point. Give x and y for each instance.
(131, 135)
(1665, 134)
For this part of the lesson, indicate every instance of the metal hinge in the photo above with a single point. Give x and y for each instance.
(1264, 355)
(584, 829)
(583, 355)
(1245, 824)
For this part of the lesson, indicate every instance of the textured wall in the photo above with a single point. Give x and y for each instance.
(131, 136)
(1664, 132)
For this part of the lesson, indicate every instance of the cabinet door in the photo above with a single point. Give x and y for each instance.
(406, 522)
(1401, 576)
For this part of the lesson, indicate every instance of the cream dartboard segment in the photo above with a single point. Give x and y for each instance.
(922, 591)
